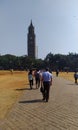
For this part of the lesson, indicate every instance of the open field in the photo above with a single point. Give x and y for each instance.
(68, 76)
(11, 86)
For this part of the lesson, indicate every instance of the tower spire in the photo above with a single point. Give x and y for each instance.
(31, 44)
(31, 21)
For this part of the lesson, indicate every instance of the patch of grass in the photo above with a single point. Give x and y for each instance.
(68, 76)
(9, 86)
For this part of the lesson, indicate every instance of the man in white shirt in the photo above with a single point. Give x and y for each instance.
(47, 82)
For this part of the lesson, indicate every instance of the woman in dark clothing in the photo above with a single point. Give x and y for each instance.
(37, 78)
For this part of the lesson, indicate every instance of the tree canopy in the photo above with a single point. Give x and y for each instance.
(53, 61)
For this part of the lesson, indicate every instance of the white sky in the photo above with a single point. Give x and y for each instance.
(55, 22)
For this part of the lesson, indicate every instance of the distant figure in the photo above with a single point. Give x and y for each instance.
(47, 82)
(75, 77)
(57, 72)
(37, 78)
(30, 78)
(11, 70)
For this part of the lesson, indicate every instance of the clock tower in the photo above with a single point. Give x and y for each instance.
(31, 45)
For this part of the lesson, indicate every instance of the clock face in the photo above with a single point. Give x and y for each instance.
(30, 37)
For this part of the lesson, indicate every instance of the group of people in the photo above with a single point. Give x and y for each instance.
(41, 79)
(34, 78)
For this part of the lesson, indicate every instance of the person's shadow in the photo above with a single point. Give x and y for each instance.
(31, 101)
(21, 89)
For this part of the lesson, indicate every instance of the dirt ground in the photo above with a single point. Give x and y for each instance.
(11, 86)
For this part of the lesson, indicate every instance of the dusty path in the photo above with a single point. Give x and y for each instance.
(31, 113)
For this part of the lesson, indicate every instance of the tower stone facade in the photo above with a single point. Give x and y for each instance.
(31, 44)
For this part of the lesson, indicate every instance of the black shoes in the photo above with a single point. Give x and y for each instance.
(43, 99)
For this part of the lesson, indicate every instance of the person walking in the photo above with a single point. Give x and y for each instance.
(37, 78)
(46, 80)
(57, 72)
(75, 77)
(30, 78)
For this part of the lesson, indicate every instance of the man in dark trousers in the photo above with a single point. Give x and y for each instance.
(75, 77)
(47, 82)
